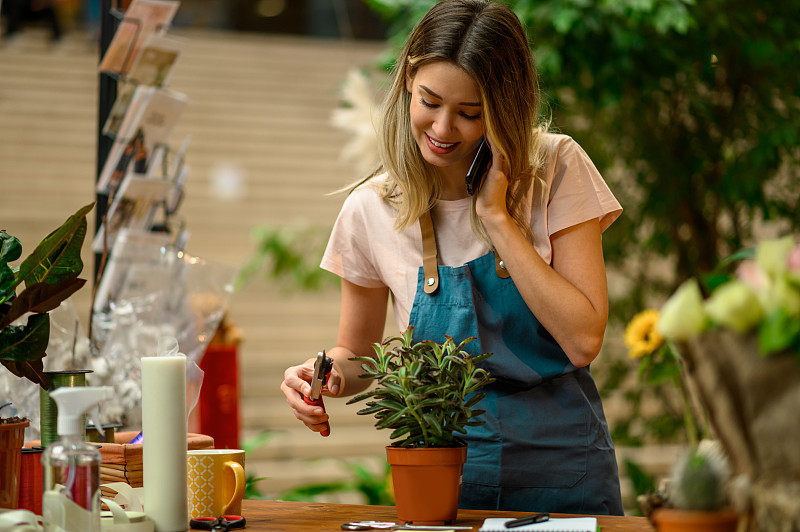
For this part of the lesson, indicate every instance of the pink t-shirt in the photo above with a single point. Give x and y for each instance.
(365, 249)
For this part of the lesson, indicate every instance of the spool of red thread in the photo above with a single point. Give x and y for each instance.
(30, 481)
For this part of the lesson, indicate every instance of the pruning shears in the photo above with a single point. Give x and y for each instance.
(221, 524)
(322, 370)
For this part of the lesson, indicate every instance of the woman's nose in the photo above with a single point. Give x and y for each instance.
(443, 126)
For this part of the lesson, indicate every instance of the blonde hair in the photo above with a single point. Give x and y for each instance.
(487, 41)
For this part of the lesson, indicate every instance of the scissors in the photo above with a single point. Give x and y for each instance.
(322, 370)
(372, 525)
(221, 523)
(367, 525)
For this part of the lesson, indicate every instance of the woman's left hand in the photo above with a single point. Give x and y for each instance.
(491, 202)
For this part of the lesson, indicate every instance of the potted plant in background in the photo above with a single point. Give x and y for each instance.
(697, 498)
(425, 393)
(49, 275)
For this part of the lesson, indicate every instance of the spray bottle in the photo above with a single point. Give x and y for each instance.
(71, 467)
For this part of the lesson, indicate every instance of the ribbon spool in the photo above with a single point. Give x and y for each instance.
(47, 407)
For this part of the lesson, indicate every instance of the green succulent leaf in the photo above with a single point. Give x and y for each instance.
(424, 391)
(474, 400)
(372, 409)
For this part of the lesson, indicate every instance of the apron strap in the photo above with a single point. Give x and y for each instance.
(430, 263)
(499, 267)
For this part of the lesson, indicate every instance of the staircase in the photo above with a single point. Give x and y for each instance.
(259, 108)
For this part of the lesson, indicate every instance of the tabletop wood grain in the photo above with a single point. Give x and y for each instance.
(284, 516)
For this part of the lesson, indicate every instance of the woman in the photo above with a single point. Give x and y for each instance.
(465, 73)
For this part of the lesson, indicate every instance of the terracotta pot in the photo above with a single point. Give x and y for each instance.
(672, 520)
(12, 436)
(427, 483)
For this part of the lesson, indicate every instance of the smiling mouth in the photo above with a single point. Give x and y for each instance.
(439, 144)
(442, 144)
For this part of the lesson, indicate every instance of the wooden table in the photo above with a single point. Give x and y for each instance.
(280, 516)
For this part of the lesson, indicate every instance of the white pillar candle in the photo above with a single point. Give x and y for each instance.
(164, 428)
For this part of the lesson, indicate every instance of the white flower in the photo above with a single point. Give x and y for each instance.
(356, 118)
(682, 316)
(772, 255)
(735, 305)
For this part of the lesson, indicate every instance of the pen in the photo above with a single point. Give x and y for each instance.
(528, 520)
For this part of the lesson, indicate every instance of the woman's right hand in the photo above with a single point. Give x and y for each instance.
(296, 386)
(361, 322)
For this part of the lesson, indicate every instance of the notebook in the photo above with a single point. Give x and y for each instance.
(555, 524)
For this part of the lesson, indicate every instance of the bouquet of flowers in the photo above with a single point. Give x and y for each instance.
(762, 297)
(737, 341)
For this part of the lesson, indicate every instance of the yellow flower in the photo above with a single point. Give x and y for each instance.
(641, 335)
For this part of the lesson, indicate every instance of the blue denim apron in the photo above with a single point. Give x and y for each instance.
(545, 445)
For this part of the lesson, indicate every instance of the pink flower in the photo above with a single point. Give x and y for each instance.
(793, 260)
(751, 274)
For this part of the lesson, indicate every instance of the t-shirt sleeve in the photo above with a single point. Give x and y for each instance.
(578, 192)
(348, 253)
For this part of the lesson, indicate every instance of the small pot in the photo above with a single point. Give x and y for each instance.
(674, 520)
(12, 436)
(427, 483)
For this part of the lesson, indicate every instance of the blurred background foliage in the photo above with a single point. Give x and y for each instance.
(689, 108)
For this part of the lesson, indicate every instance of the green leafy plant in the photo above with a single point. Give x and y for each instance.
(290, 256)
(49, 275)
(249, 446)
(425, 391)
(375, 488)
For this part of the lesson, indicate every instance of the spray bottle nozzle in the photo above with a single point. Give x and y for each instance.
(72, 403)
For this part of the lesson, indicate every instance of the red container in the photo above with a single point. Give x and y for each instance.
(12, 436)
(219, 395)
(30, 485)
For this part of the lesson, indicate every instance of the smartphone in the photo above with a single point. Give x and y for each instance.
(478, 167)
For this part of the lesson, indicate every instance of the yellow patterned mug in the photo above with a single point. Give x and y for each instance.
(216, 482)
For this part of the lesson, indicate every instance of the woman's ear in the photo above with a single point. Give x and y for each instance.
(409, 79)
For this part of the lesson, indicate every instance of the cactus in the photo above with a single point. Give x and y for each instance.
(699, 480)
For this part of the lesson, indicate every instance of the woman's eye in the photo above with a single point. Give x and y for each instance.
(426, 103)
(469, 116)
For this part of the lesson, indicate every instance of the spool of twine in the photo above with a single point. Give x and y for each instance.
(47, 407)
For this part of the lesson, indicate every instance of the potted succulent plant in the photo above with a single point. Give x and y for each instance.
(426, 395)
(696, 499)
(49, 275)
